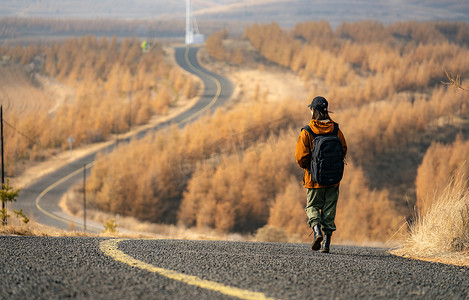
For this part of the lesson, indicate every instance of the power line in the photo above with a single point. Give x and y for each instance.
(22, 134)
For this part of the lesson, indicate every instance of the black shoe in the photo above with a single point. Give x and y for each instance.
(326, 244)
(316, 245)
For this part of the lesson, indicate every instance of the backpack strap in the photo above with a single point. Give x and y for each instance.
(309, 130)
(336, 129)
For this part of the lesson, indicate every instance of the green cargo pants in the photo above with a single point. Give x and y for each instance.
(320, 207)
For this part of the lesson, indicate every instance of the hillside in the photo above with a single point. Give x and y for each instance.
(236, 171)
(87, 88)
(161, 19)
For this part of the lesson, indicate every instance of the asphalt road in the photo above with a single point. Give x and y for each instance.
(97, 268)
(40, 200)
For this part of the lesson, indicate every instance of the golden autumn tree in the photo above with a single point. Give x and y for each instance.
(214, 45)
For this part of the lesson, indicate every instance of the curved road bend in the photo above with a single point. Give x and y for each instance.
(40, 199)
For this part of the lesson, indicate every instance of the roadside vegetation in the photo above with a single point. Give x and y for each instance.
(440, 230)
(19, 228)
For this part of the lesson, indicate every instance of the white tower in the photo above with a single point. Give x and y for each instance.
(193, 35)
(189, 32)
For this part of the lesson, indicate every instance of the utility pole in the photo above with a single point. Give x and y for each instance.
(84, 197)
(3, 164)
(130, 110)
(71, 141)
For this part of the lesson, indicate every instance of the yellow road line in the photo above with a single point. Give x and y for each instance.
(110, 248)
(44, 192)
(216, 81)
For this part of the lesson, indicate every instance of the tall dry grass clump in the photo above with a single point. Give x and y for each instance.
(442, 230)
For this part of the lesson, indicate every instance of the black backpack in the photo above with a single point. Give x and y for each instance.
(327, 157)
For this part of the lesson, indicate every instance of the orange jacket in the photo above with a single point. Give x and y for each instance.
(305, 145)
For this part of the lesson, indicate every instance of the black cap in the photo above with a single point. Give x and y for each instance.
(319, 103)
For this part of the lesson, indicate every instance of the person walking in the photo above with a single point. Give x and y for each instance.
(323, 169)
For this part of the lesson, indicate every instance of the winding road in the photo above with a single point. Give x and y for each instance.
(40, 200)
(101, 268)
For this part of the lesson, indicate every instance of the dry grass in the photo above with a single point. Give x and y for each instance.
(127, 227)
(441, 232)
(16, 228)
(71, 203)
